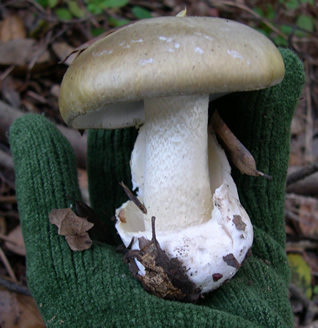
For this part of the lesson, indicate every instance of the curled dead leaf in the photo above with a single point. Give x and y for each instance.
(238, 154)
(73, 227)
(32, 57)
(164, 277)
(18, 311)
(12, 28)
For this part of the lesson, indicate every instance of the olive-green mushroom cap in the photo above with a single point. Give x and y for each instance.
(168, 56)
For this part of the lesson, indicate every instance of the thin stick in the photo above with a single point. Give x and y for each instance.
(301, 245)
(310, 307)
(252, 13)
(133, 198)
(309, 120)
(14, 287)
(7, 266)
(12, 199)
(301, 174)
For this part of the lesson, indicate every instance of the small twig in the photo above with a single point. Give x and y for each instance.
(302, 245)
(301, 174)
(8, 239)
(292, 216)
(10, 214)
(7, 72)
(47, 16)
(35, 4)
(153, 228)
(251, 12)
(8, 199)
(49, 39)
(133, 198)
(14, 287)
(310, 307)
(309, 120)
(7, 266)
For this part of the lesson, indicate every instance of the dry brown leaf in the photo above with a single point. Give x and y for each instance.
(73, 227)
(80, 242)
(18, 311)
(238, 154)
(305, 210)
(12, 28)
(296, 157)
(15, 241)
(62, 51)
(308, 212)
(11, 54)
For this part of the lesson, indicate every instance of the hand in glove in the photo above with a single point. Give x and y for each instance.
(94, 288)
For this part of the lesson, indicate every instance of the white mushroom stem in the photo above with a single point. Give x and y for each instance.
(176, 186)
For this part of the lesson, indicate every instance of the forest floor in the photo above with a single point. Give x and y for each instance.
(36, 37)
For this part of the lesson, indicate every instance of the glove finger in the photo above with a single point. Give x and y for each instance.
(261, 120)
(108, 157)
(45, 168)
(66, 285)
(45, 176)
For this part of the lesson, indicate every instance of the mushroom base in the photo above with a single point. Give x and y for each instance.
(182, 264)
(161, 276)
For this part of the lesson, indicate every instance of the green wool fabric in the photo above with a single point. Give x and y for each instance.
(94, 288)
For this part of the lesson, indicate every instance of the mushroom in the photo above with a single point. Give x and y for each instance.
(160, 74)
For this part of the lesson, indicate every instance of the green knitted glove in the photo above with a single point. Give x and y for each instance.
(94, 288)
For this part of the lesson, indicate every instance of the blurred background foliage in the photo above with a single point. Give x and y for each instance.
(290, 17)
